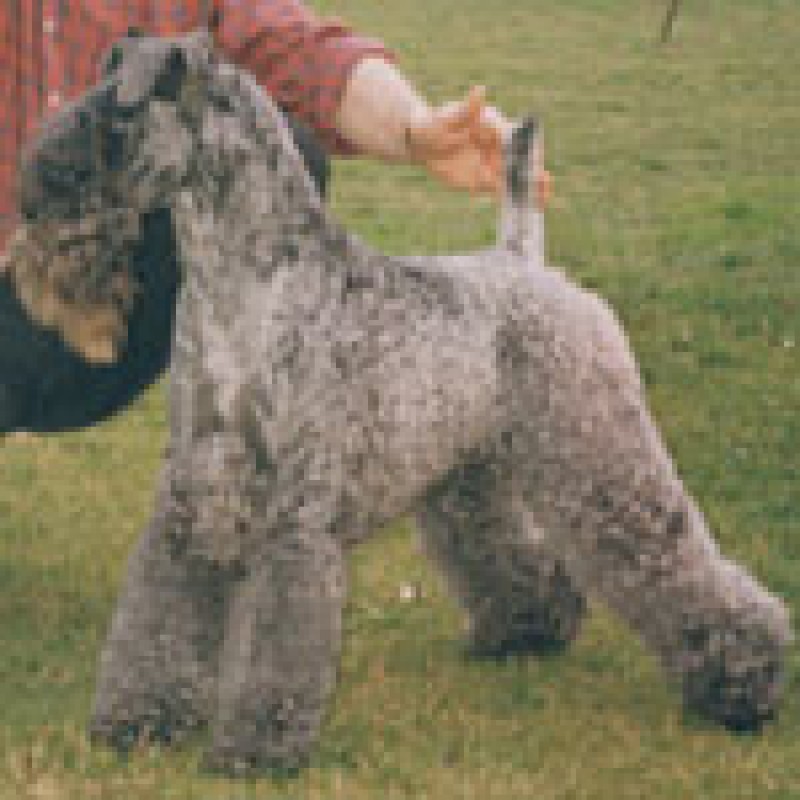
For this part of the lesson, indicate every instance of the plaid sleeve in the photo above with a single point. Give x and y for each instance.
(304, 62)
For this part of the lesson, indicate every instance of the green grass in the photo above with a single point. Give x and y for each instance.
(677, 194)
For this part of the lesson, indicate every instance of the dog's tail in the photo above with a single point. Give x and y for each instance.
(521, 218)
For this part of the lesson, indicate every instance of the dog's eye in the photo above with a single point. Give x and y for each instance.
(114, 60)
(223, 103)
(170, 79)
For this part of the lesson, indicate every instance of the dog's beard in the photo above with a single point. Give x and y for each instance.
(75, 278)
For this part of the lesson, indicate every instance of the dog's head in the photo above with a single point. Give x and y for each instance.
(93, 176)
(128, 140)
(122, 150)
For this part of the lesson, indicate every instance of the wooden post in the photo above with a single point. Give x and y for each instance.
(666, 27)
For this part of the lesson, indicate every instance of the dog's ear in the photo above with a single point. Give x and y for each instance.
(113, 59)
(115, 54)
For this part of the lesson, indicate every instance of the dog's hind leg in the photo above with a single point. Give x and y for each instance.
(597, 474)
(518, 597)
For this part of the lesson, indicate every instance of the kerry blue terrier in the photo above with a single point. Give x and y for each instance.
(321, 389)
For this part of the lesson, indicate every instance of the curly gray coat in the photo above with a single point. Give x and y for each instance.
(320, 389)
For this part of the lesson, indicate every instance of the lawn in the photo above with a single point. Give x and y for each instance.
(677, 198)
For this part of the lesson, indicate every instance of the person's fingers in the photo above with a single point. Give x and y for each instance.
(467, 112)
(457, 125)
(491, 129)
(462, 143)
(476, 104)
(446, 141)
(437, 135)
(496, 175)
(483, 179)
(488, 140)
(544, 187)
(460, 120)
(462, 172)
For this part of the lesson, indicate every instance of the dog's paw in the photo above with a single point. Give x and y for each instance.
(544, 629)
(734, 676)
(242, 763)
(125, 727)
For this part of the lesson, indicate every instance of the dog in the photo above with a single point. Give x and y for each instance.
(320, 389)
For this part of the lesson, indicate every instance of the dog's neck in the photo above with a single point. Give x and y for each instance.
(248, 208)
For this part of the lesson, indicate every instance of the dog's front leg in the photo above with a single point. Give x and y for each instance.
(280, 651)
(157, 672)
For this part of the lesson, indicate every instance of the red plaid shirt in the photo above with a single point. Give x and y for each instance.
(49, 51)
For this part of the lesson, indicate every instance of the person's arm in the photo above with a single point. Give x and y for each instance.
(384, 116)
(303, 61)
(379, 107)
(347, 88)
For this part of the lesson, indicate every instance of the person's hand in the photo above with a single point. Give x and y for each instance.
(461, 143)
